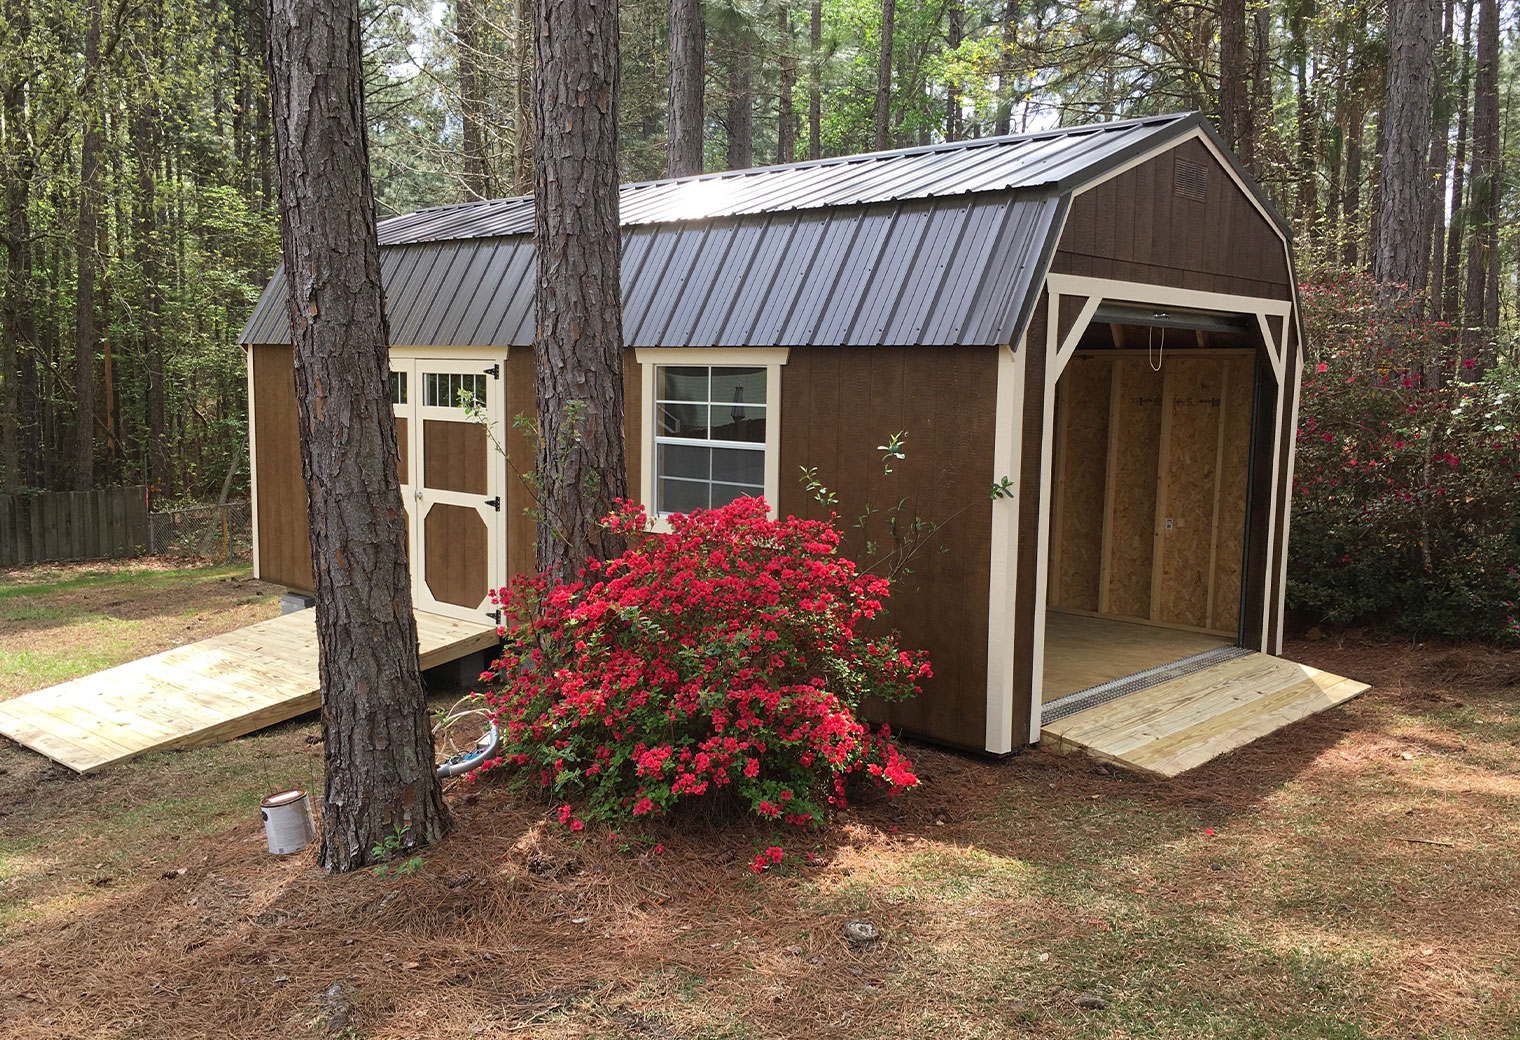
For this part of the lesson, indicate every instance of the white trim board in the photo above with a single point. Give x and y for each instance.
(1008, 437)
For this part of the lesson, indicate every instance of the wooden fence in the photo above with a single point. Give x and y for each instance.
(73, 525)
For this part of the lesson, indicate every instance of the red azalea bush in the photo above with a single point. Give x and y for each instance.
(1406, 506)
(723, 661)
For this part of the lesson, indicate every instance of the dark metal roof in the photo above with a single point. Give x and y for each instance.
(943, 245)
(1053, 160)
(961, 269)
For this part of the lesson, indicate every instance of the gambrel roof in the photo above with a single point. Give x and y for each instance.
(940, 245)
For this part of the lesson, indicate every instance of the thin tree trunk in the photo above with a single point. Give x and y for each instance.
(15, 313)
(1233, 112)
(1403, 199)
(581, 467)
(1261, 90)
(1451, 300)
(741, 105)
(1480, 320)
(472, 103)
(884, 76)
(1007, 41)
(377, 737)
(815, 82)
(954, 123)
(786, 114)
(147, 249)
(85, 244)
(525, 133)
(688, 44)
(1440, 157)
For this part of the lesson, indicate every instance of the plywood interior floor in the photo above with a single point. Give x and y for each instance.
(201, 693)
(1082, 652)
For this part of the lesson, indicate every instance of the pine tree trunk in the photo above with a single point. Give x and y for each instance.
(1440, 157)
(15, 314)
(1403, 191)
(146, 140)
(884, 76)
(84, 322)
(815, 83)
(377, 737)
(1451, 300)
(525, 134)
(740, 116)
(1261, 89)
(477, 178)
(1232, 59)
(954, 128)
(1007, 42)
(581, 467)
(688, 44)
(786, 115)
(1480, 319)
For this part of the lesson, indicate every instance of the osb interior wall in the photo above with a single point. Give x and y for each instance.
(1136, 448)
(837, 406)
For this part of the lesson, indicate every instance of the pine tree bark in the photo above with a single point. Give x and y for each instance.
(1261, 90)
(84, 261)
(579, 344)
(1480, 317)
(815, 82)
(688, 45)
(477, 177)
(740, 111)
(1351, 199)
(377, 737)
(1403, 205)
(146, 249)
(883, 126)
(786, 114)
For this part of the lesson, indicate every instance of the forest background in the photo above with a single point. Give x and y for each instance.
(138, 218)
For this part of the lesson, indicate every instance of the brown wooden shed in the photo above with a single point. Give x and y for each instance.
(1104, 315)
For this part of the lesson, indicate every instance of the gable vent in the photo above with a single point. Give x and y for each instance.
(1190, 180)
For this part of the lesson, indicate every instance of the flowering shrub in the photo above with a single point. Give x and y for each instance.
(1408, 473)
(724, 662)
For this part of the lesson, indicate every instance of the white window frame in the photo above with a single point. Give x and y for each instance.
(652, 358)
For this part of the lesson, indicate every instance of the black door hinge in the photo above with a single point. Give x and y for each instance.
(494, 503)
(494, 371)
(494, 615)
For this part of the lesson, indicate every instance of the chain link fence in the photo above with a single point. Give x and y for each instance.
(212, 532)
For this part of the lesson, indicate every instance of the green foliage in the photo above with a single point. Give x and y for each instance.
(388, 852)
(1407, 475)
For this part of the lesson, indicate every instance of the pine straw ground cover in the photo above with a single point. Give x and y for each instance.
(1352, 876)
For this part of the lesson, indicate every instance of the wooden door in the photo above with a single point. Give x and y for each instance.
(452, 483)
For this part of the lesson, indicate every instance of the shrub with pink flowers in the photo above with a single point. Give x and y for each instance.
(723, 663)
(1406, 508)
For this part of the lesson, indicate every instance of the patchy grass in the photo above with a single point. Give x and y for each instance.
(60, 622)
(1359, 882)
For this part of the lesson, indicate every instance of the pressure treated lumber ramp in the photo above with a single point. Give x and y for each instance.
(201, 693)
(1181, 723)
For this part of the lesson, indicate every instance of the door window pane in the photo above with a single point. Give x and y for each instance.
(398, 388)
(454, 389)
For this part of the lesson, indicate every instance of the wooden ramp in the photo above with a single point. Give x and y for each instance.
(1184, 721)
(201, 693)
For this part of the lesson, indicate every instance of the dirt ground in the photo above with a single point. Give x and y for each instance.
(1354, 875)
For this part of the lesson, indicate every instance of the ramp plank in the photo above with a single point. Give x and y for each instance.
(201, 693)
(1181, 723)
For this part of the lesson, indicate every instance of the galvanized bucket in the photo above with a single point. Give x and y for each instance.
(288, 825)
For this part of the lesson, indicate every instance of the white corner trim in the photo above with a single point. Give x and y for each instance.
(1282, 575)
(1003, 584)
(253, 461)
(1042, 544)
(770, 358)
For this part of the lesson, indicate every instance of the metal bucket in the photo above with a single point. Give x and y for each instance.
(288, 824)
